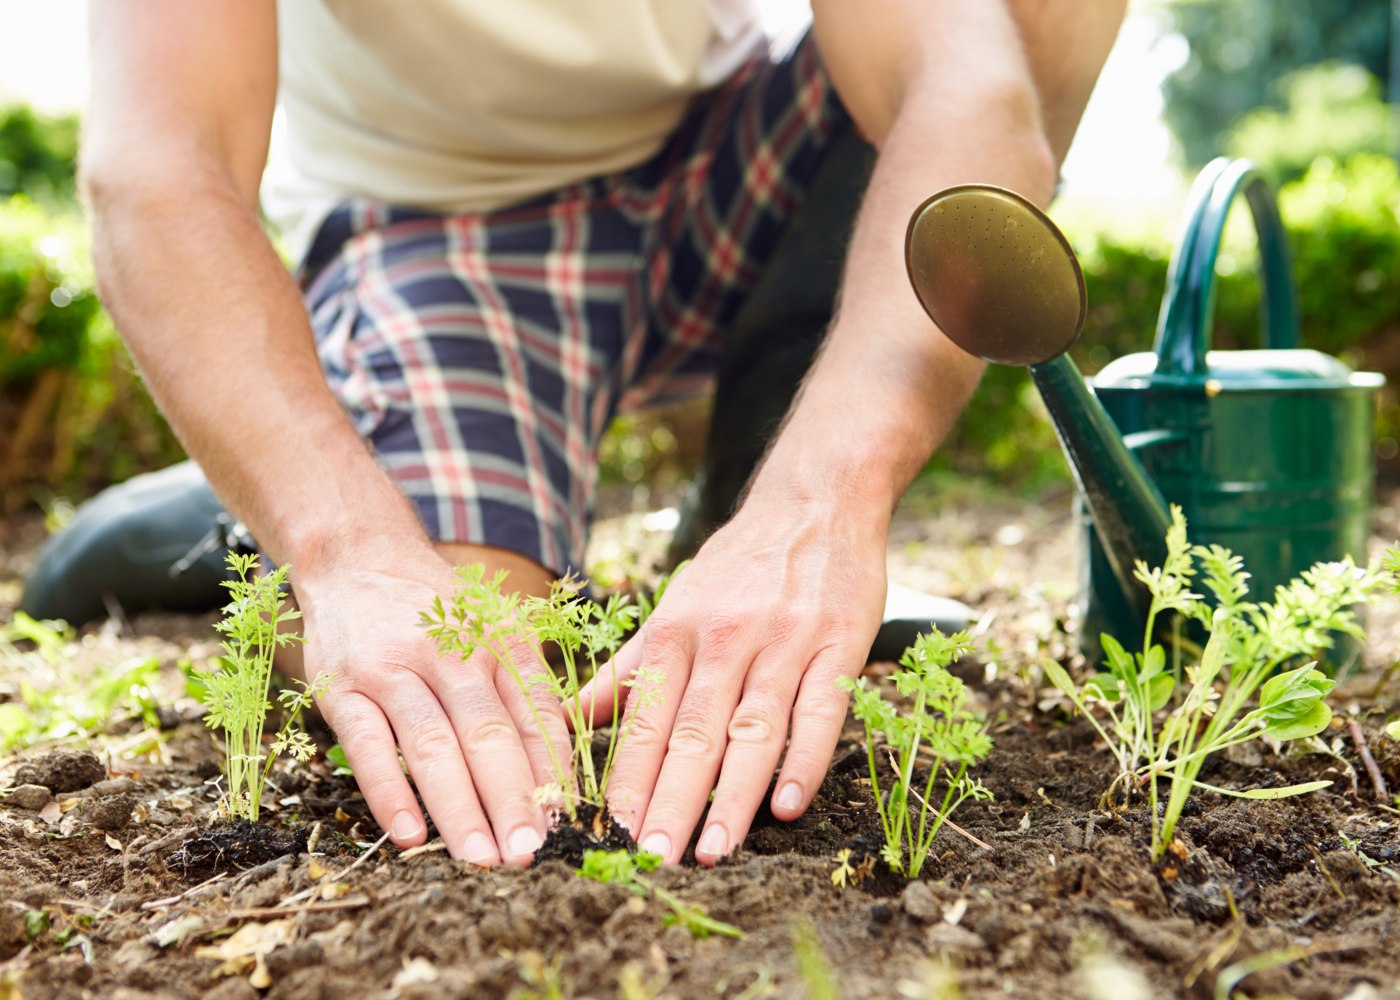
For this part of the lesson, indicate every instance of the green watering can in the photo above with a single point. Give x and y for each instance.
(1268, 452)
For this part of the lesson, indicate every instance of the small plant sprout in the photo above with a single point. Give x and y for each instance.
(1207, 702)
(481, 615)
(632, 870)
(236, 694)
(938, 723)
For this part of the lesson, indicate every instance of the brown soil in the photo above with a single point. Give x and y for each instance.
(1059, 899)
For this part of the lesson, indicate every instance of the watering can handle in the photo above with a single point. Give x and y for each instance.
(1183, 329)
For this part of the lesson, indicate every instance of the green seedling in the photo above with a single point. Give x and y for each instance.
(515, 631)
(54, 698)
(339, 761)
(236, 694)
(819, 980)
(1166, 723)
(631, 870)
(937, 723)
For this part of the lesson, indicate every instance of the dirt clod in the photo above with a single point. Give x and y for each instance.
(109, 813)
(236, 845)
(918, 901)
(62, 771)
(31, 797)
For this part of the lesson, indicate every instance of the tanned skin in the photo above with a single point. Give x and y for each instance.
(784, 599)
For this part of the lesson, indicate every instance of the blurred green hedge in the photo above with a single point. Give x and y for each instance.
(74, 412)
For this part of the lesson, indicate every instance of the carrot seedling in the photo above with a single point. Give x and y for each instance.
(631, 870)
(938, 723)
(1209, 700)
(236, 694)
(481, 616)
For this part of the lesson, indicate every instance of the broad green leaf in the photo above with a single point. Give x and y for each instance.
(1301, 726)
(1153, 662)
(1104, 687)
(1060, 678)
(1303, 684)
(1267, 793)
(1120, 664)
(1159, 689)
(1392, 730)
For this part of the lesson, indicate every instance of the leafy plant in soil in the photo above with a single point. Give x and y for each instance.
(937, 722)
(631, 870)
(481, 615)
(1209, 700)
(236, 693)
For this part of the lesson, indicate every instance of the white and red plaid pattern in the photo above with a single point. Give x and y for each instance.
(484, 355)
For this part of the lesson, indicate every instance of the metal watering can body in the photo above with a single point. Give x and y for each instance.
(1268, 452)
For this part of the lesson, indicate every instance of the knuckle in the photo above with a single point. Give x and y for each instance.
(691, 736)
(429, 742)
(826, 706)
(782, 626)
(487, 731)
(663, 633)
(645, 731)
(754, 722)
(720, 631)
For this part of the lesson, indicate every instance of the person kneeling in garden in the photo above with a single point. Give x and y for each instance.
(509, 224)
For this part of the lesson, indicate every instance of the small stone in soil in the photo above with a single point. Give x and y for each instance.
(919, 902)
(62, 771)
(31, 797)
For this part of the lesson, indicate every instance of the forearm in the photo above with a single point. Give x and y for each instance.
(888, 385)
(220, 334)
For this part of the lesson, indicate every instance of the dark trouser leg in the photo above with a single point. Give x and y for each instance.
(154, 542)
(774, 340)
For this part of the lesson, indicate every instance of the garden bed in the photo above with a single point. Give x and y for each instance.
(1045, 894)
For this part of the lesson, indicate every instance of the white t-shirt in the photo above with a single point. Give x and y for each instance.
(469, 105)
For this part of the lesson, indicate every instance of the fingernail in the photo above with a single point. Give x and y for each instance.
(656, 843)
(479, 849)
(405, 826)
(789, 796)
(714, 842)
(525, 840)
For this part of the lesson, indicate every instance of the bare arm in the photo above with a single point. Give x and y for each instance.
(174, 145)
(786, 598)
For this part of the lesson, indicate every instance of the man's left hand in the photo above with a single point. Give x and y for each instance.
(748, 642)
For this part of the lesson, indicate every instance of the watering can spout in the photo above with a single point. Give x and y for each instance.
(1002, 283)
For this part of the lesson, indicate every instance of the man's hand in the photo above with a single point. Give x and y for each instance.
(787, 597)
(466, 732)
(753, 634)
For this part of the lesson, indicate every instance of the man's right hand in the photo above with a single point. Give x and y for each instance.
(468, 737)
(174, 142)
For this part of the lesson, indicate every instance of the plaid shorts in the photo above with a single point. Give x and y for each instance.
(484, 355)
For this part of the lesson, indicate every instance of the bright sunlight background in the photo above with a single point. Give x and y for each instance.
(1122, 154)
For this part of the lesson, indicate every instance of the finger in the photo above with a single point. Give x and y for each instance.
(605, 690)
(756, 736)
(434, 757)
(693, 755)
(363, 731)
(646, 720)
(817, 718)
(538, 718)
(496, 758)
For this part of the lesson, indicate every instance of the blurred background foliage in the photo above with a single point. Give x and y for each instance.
(1295, 85)
(74, 414)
